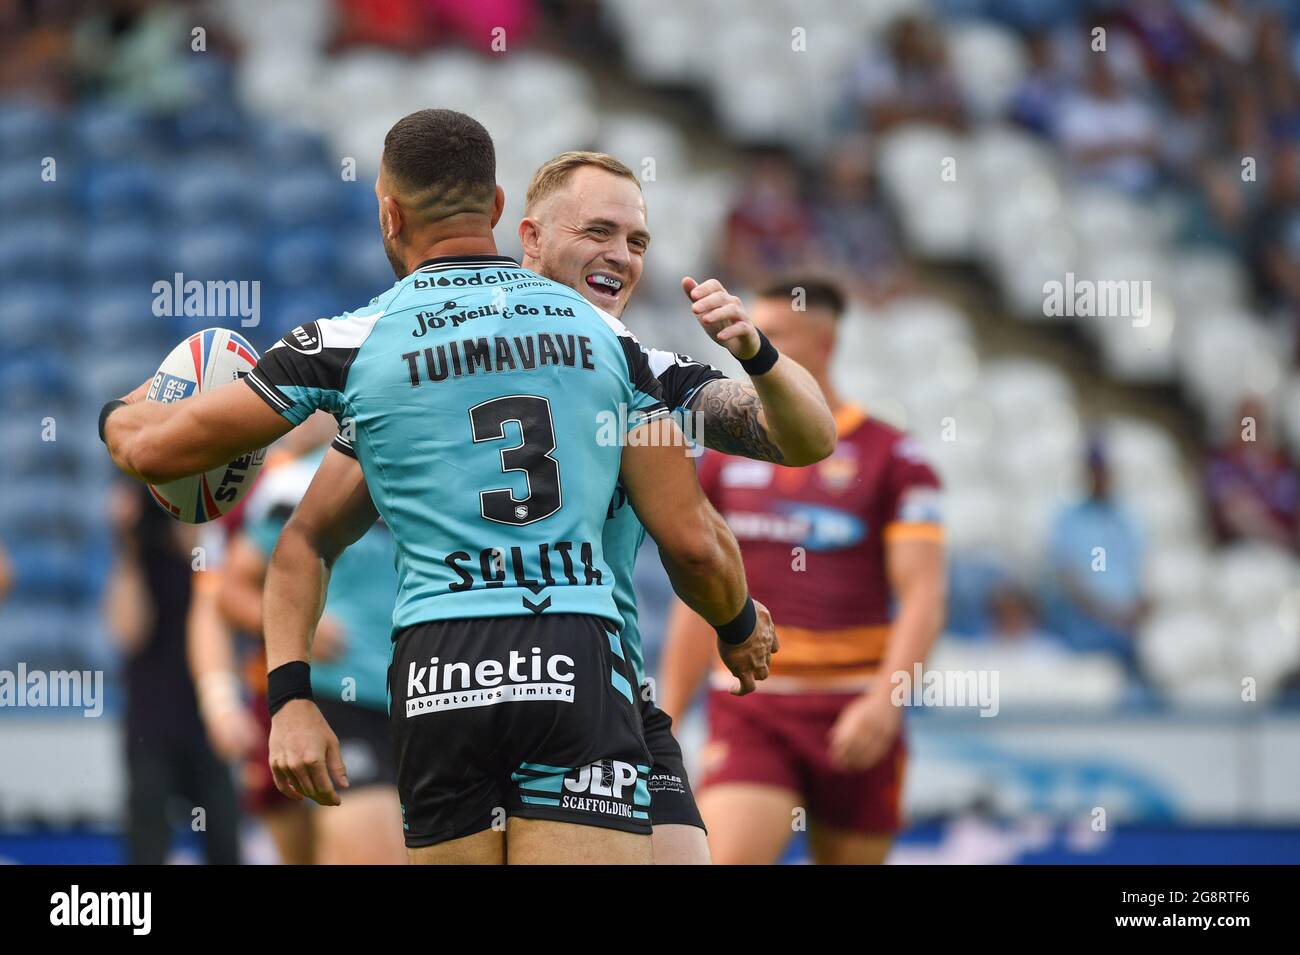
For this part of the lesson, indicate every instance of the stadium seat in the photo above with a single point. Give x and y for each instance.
(1181, 647)
(220, 253)
(34, 314)
(23, 193)
(299, 258)
(121, 254)
(1251, 578)
(122, 192)
(110, 132)
(211, 191)
(308, 197)
(41, 249)
(29, 131)
(988, 61)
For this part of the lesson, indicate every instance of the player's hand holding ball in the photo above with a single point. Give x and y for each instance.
(723, 316)
(749, 661)
(305, 758)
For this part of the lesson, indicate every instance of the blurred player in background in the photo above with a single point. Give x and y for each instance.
(169, 761)
(351, 652)
(585, 225)
(829, 548)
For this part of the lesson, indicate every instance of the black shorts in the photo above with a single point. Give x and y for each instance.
(516, 716)
(365, 742)
(671, 801)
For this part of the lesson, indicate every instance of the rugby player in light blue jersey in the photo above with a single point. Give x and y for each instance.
(585, 225)
(478, 398)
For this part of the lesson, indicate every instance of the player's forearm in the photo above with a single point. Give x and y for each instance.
(795, 413)
(687, 654)
(208, 645)
(709, 575)
(916, 626)
(296, 584)
(240, 602)
(159, 442)
(131, 432)
(211, 657)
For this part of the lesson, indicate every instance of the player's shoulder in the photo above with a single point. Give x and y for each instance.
(873, 434)
(344, 332)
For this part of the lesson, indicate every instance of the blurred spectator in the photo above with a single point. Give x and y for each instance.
(1108, 132)
(1275, 232)
(1014, 625)
(1037, 100)
(1226, 28)
(6, 574)
(1231, 200)
(856, 235)
(1281, 93)
(911, 83)
(1191, 127)
(413, 25)
(137, 52)
(1164, 36)
(35, 49)
(770, 226)
(168, 759)
(1095, 563)
(1253, 487)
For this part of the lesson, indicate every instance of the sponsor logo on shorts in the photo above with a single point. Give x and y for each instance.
(456, 685)
(607, 787)
(667, 783)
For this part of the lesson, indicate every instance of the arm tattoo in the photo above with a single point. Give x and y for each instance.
(729, 421)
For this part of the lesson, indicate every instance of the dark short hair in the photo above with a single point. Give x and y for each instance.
(443, 162)
(817, 292)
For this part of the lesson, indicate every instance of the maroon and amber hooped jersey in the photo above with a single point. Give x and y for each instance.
(813, 541)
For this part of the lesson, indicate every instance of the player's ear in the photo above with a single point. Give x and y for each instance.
(394, 213)
(530, 234)
(498, 206)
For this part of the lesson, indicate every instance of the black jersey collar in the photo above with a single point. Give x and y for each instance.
(466, 262)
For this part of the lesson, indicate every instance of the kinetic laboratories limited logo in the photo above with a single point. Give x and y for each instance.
(438, 686)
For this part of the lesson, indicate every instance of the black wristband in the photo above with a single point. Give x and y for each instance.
(107, 410)
(738, 630)
(290, 681)
(765, 358)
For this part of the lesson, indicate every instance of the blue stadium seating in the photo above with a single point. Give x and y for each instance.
(209, 191)
(36, 249)
(122, 191)
(28, 131)
(125, 253)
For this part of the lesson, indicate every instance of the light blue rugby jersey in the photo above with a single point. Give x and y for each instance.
(486, 405)
(363, 587)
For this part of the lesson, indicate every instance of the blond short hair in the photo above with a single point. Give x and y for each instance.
(554, 173)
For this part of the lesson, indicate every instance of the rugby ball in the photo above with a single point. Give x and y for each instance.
(208, 359)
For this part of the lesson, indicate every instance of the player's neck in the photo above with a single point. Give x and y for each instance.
(465, 238)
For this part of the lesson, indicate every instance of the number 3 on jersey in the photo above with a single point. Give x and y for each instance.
(532, 456)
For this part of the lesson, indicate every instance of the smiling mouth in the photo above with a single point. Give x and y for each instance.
(605, 284)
